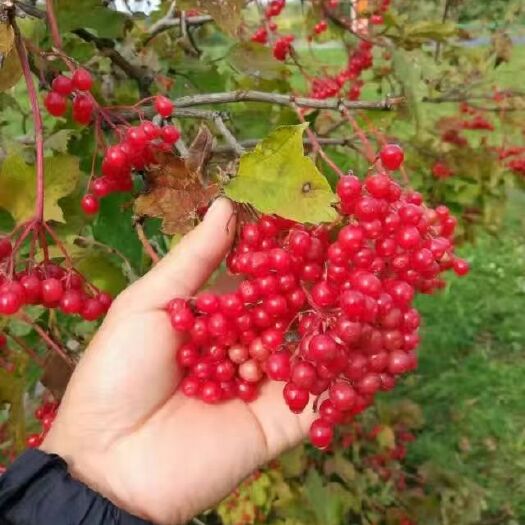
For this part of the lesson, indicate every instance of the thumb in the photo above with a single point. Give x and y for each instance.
(189, 265)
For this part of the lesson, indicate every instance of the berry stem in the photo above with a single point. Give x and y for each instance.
(53, 24)
(38, 125)
(316, 146)
(148, 248)
(29, 351)
(46, 337)
(59, 245)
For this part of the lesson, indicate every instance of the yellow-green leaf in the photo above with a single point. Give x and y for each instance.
(278, 178)
(226, 13)
(10, 70)
(7, 38)
(17, 186)
(102, 272)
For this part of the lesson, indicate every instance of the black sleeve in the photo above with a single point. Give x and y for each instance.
(38, 490)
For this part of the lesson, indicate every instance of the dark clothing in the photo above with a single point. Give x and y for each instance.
(38, 490)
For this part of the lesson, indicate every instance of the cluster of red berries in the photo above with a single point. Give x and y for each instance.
(377, 18)
(320, 27)
(45, 414)
(441, 171)
(76, 86)
(274, 8)
(359, 61)
(51, 286)
(319, 311)
(283, 47)
(135, 151)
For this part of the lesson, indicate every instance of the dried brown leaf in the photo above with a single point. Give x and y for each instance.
(175, 194)
(200, 152)
(56, 375)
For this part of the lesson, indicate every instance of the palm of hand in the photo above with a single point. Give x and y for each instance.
(128, 433)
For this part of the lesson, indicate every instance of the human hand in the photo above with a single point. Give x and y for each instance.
(126, 431)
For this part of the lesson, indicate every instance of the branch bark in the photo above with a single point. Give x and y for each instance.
(251, 143)
(285, 100)
(106, 46)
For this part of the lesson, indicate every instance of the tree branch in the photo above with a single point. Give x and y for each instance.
(228, 135)
(106, 46)
(170, 20)
(285, 100)
(251, 143)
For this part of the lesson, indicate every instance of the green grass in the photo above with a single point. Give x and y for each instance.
(472, 368)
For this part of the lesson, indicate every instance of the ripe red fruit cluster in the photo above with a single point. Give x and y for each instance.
(359, 61)
(45, 414)
(53, 287)
(78, 86)
(320, 27)
(135, 151)
(283, 47)
(274, 8)
(322, 311)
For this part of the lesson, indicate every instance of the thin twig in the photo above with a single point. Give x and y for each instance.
(169, 22)
(323, 141)
(37, 119)
(141, 75)
(316, 146)
(29, 351)
(53, 24)
(86, 242)
(228, 135)
(46, 337)
(148, 248)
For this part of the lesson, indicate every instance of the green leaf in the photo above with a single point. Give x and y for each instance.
(226, 13)
(407, 71)
(17, 186)
(278, 178)
(89, 14)
(10, 69)
(102, 272)
(256, 60)
(430, 30)
(59, 140)
(329, 502)
(114, 227)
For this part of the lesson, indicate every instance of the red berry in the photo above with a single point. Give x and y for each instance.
(392, 156)
(82, 80)
(52, 290)
(83, 109)
(321, 433)
(170, 134)
(62, 85)
(55, 104)
(90, 204)
(163, 106)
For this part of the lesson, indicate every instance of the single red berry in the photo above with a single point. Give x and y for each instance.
(321, 433)
(92, 310)
(71, 302)
(170, 134)
(101, 187)
(392, 156)
(55, 104)
(52, 290)
(6, 248)
(34, 440)
(62, 85)
(163, 106)
(83, 108)
(90, 204)
(82, 80)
